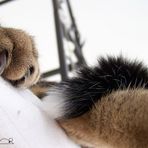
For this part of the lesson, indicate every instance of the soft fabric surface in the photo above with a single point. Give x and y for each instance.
(22, 120)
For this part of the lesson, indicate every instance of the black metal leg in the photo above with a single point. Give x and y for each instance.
(59, 35)
(76, 40)
(5, 1)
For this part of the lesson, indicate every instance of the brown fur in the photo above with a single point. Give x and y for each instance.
(41, 88)
(21, 55)
(119, 120)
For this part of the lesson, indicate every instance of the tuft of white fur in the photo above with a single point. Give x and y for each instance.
(54, 103)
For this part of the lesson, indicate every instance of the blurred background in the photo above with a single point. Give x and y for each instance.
(106, 27)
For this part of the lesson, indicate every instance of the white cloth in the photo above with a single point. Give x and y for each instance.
(22, 120)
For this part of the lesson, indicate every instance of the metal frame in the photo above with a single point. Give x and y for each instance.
(64, 68)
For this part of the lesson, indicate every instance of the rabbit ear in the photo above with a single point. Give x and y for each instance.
(3, 61)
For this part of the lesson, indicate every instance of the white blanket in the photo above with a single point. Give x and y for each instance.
(24, 125)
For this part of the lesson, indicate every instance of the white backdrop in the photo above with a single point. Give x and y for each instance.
(107, 26)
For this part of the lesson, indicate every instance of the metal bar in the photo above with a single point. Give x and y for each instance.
(5, 1)
(79, 55)
(73, 22)
(50, 73)
(59, 36)
(56, 71)
(78, 48)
